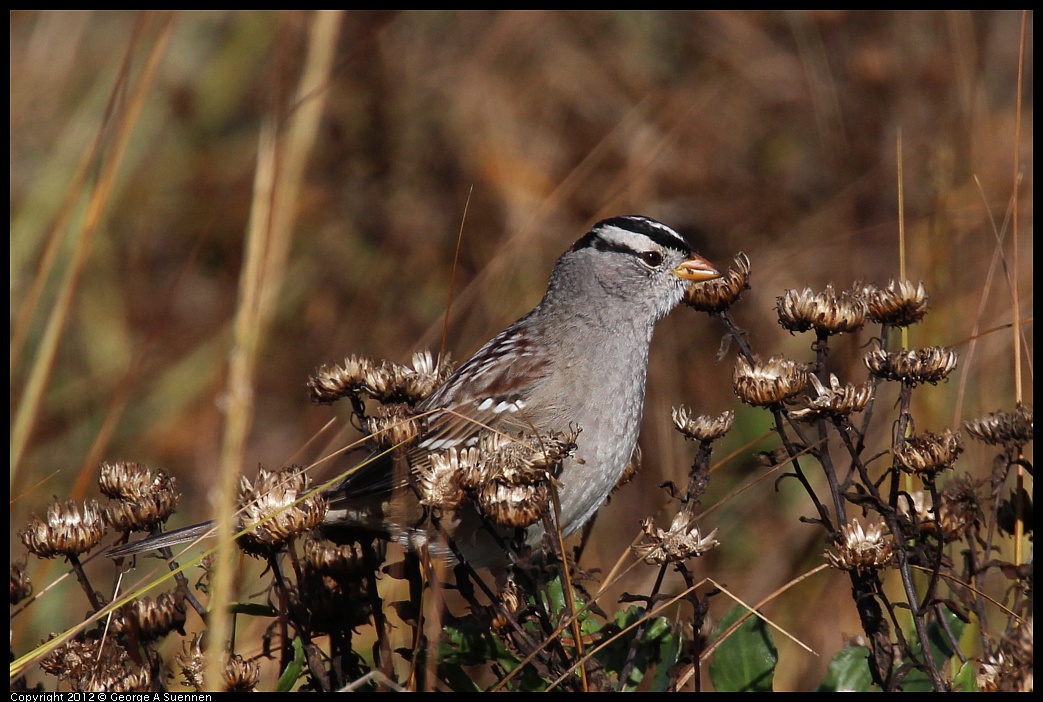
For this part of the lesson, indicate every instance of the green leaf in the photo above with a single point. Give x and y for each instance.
(941, 651)
(293, 671)
(746, 660)
(966, 678)
(849, 672)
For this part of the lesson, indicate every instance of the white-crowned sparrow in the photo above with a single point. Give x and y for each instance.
(565, 383)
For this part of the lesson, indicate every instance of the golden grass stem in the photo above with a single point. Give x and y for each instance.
(29, 406)
(277, 183)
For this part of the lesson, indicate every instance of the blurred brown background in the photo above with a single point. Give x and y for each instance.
(772, 133)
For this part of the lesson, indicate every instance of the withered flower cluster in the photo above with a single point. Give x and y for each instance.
(333, 589)
(838, 400)
(21, 586)
(681, 541)
(140, 500)
(768, 383)
(152, 619)
(703, 428)
(275, 508)
(862, 549)
(827, 312)
(900, 304)
(931, 364)
(715, 296)
(1003, 428)
(959, 507)
(238, 675)
(95, 665)
(507, 477)
(385, 381)
(929, 453)
(66, 531)
(511, 483)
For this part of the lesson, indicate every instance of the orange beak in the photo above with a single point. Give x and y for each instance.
(696, 269)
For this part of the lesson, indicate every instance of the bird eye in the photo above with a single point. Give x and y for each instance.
(652, 258)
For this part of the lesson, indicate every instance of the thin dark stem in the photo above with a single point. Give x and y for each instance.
(639, 633)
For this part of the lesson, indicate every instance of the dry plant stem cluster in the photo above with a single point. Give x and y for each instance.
(906, 531)
(943, 540)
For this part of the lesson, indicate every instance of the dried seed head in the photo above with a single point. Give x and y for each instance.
(87, 664)
(769, 383)
(152, 619)
(1003, 428)
(66, 532)
(826, 312)
(241, 675)
(511, 599)
(913, 367)
(715, 296)
(192, 662)
(272, 510)
(959, 507)
(21, 586)
(929, 452)
(439, 480)
(238, 675)
(681, 541)
(338, 560)
(703, 428)
(393, 426)
(900, 304)
(526, 459)
(513, 505)
(333, 590)
(141, 500)
(391, 382)
(862, 549)
(331, 383)
(835, 401)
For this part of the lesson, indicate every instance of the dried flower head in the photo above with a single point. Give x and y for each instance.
(862, 549)
(21, 586)
(89, 664)
(702, 428)
(392, 382)
(66, 532)
(141, 500)
(512, 505)
(681, 541)
(835, 401)
(338, 560)
(1003, 428)
(959, 507)
(331, 383)
(273, 512)
(715, 296)
(333, 591)
(525, 459)
(238, 675)
(900, 304)
(768, 383)
(913, 367)
(393, 426)
(152, 619)
(827, 312)
(929, 452)
(511, 600)
(440, 480)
